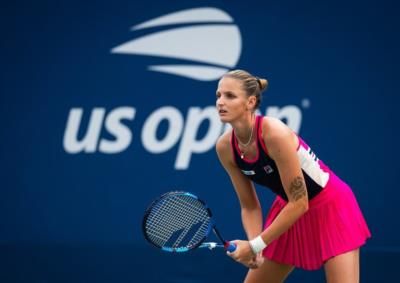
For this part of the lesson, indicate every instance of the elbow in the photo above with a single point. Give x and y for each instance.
(303, 205)
(250, 209)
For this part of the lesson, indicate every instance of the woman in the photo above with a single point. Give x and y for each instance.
(315, 219)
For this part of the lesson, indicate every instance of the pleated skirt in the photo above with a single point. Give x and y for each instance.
(333, 225)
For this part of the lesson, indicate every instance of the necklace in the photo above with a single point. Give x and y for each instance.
(245, 145)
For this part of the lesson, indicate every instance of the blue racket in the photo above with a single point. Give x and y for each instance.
(179, 222)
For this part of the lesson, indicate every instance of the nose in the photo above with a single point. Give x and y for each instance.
(220, 101)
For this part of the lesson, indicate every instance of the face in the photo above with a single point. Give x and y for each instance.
(232, 101)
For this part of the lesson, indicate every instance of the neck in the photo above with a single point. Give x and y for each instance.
(244, 127)
(247, 133)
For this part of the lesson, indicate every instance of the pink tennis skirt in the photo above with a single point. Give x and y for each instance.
(332, 225)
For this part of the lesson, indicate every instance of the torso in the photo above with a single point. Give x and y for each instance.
(259, 167)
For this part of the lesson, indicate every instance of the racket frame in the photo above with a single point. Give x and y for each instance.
(200, 244)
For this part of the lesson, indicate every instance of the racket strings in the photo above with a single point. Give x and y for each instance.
(168, 221)
(172, 220)
(176, 215)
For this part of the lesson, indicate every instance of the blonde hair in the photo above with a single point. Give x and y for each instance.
(252, 85)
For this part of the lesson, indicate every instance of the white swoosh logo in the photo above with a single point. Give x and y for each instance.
(216, 44)
(197, 15)
(201, 73)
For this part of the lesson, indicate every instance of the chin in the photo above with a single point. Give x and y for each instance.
(224, 119)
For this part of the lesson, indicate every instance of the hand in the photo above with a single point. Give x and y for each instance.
(244, 255)
(256, 262)
(259, 260)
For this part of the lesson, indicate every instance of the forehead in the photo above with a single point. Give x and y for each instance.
(229, 84)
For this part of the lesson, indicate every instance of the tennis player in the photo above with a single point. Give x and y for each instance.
(314, 221)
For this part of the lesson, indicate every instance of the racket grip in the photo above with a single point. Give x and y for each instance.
(230, 247)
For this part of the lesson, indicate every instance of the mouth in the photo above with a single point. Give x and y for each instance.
(222, 111)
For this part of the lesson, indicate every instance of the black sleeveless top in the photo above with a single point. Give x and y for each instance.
(263, 170)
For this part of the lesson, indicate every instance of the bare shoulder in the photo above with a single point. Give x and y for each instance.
(274, 128)
(277, 134)
(223, 148)
(223, 142)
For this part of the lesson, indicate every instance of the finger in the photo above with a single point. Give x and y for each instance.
(252, 265)
(232, 255)
(259, 260)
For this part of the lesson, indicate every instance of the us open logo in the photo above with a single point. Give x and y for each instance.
(205, 37)
(203, 44)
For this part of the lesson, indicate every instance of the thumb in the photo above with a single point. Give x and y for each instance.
(234, 243)
(231, 246)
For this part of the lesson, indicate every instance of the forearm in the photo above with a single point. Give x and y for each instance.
(252, 221)
(285, 219)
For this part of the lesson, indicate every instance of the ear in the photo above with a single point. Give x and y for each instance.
(251, 102)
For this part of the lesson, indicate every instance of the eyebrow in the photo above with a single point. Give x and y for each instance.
(227, 92)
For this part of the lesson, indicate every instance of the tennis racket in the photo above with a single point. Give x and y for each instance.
(179, 222)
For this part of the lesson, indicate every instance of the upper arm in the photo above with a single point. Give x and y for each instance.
(282, 144)
(243, 186)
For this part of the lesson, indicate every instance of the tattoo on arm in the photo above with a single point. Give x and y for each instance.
(297, 188)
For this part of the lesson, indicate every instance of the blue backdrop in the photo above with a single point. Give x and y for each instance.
(105, 105)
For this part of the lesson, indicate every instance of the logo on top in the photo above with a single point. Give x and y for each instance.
(205, 40)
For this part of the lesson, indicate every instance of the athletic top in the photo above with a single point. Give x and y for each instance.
(263, 170)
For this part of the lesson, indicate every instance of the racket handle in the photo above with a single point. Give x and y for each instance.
(230, 247)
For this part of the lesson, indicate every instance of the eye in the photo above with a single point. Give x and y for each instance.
(230, 95)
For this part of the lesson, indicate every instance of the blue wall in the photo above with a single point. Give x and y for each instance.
(72, 213)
